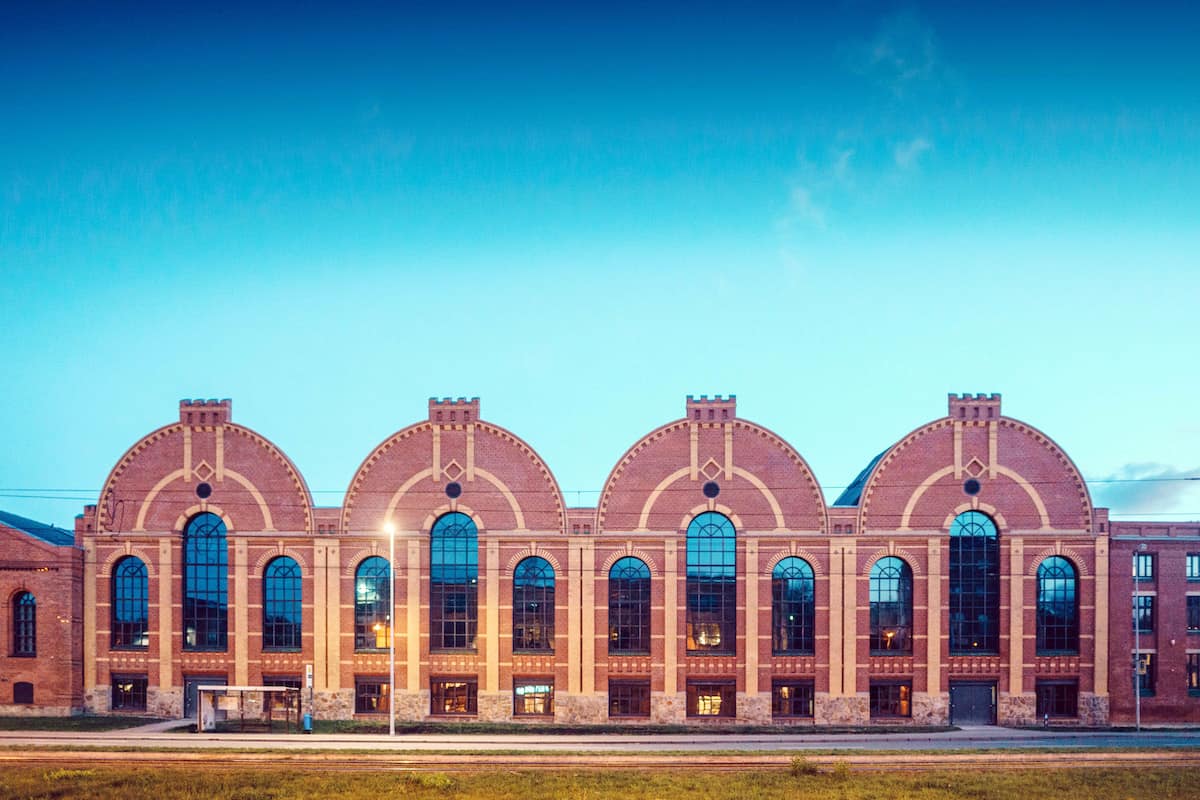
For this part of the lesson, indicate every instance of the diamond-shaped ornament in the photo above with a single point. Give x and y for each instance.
(203, 471)
(452, 470)
(711, 469)
(974, 468)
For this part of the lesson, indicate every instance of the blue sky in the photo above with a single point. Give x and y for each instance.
(583, 215)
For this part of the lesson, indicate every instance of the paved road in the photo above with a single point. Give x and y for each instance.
(968, 738)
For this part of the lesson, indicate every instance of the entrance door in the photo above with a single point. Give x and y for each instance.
(972, 703)
(190, 683)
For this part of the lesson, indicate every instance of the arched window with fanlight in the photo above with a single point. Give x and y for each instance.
(891, 593)
(533, 605)
(372, 604)
(130, 607)
(453, 582)
(1057, 607)
(282, 605)
(974, 585)
(629, 607)
(24, 625)
(205, 583)
(793, 607)
(711, 584)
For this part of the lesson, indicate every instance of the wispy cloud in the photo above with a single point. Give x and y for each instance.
(1146, 487)
(902, 53)
(803, 210)
(907, 154)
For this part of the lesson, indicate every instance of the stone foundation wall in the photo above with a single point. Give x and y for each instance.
(754, 709)
(931, 709)
(412, 706)
(842, 710)
(581, 709)
(495, 707)
(98, 699)
(1017, 709)
(1093, 709)
(164, 702)
(668, 709)
(333, 705)
(13, 710)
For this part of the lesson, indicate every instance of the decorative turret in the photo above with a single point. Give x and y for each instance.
(449, 411)
(205, 412)
(714, 409)
(979, 406)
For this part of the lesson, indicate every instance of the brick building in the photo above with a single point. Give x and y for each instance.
(963, 576)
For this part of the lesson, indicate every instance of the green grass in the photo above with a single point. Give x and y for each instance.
(84, 723)
(829, 782)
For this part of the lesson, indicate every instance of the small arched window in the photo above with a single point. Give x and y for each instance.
(974, 584)
(24, 628)
(793, 607)
(533, 605)
(130, 614)
(891, 606)
(629, 607)
(372, 604)
(1057, 607)
(453, 582)
(282, 605)
(205, 584)
(711, 584)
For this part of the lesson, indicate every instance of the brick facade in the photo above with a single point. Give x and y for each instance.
(901, 508)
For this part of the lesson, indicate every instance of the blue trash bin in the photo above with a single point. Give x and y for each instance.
(308, 723)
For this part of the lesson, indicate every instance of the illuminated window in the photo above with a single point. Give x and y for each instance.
(454, 696)
(629, 607)
(533, 697)
(129, 692)
(793, 607)
(1057, 608)
(282, 603)
(891, 592)
(711, 699)
(24, 629)
(891, 699)
(974, 585)
(628, 698)
(1143, 613)
(371, 695)
(1057, 698)
(711, 584)
(533, 605)
(1193, 613)
(372, 601)
(454, 582)
(130, 611)
(205, 584)
(1193, 674)
(792, 698)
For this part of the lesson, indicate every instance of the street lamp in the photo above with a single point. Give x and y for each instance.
(390, 530)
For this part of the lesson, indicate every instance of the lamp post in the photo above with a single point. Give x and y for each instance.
(390, 529)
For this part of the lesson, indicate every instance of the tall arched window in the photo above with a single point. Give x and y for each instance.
(891, 606)
(282, 603)
(130, 614)
(24, 628)
(629, 607)
(1057, 607)
(453, 582)
(533, 605)
(711, 584)
(372, 604)
(974, 584)
(205, 584)
(793, 607)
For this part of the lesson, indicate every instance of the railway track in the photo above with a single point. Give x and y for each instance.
(375, 762)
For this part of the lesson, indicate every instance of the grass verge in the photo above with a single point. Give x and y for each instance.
(82, 723)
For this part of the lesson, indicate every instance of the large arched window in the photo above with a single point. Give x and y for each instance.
(891, 606)
(24, 627)
(533, 605)
(205, 584)
(974, 584)
(372, 604)
(282, 603)
(453, 582)
(793, 607)
(1057, 607)
(629, 607)
(130, 610)
(711, 584)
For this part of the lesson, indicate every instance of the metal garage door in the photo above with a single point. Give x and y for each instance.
(972, 703)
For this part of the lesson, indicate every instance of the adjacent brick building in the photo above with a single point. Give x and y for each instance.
(963, 576)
